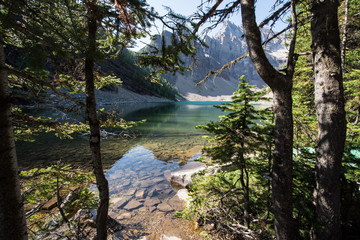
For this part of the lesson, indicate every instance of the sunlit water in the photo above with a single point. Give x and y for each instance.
(138, 168)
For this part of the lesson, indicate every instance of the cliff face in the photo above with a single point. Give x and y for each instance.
(225, 46)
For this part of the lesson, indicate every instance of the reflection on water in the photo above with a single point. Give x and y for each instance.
(139, 168)
(168, 132)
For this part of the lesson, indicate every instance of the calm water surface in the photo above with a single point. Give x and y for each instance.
(168, 132)
(137, 169)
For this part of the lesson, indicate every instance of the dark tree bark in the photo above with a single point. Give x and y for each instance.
(329, 103)
(281, 85)
(12, 217)
(92, 118)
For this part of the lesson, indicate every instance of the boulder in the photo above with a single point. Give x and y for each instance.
(183, 194)
(183, 177)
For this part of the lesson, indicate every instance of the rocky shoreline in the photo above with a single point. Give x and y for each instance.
(126, 96)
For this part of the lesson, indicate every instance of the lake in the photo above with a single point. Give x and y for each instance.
(137, 168)
(168, 132)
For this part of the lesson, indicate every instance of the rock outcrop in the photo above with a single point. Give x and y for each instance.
(225, 46)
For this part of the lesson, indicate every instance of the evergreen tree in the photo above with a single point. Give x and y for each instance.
(57, 30)
(242, 141)
(12, 217)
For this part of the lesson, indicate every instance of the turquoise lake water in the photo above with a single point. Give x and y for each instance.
(168, 133)
(137, 169)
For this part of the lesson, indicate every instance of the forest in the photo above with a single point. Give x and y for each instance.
(289, 171)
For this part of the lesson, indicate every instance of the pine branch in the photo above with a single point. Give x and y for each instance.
(41, 82)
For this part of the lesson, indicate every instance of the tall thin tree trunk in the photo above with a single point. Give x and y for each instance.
(92, 118)
(281, 86)
(344, 39)
(12, 217)
(329, 103)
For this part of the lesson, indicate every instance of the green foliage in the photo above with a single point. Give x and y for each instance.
(139, 76)
(237, 198)
(303, 187)
(241, 131)
(352, 75)
(74, 86)
(219, 200)
(170, 48)
(26, 127)
(48, 42)
(48, 39)
(305, 122)
(55, 183)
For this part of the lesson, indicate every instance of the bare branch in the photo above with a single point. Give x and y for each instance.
(223, 68)
(59, 202)
(275, 15)
(34, 210)
(207, 15)
(291, 56)
(231, 63)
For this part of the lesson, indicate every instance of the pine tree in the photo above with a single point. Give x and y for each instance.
(241, 138)
(12, 217)
(65, 34)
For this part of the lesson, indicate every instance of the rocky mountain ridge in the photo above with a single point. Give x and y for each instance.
(225, 46)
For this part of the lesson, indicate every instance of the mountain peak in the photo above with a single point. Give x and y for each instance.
(229, 29)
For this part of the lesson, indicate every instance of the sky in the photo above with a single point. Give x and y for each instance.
(187, 7)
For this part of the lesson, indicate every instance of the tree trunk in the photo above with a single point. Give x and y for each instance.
(92, 118)
(283, 164)
(344, 39)
(281, 86)
(12, 217)
(329, 103)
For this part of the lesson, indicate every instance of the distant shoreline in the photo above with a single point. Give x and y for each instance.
(124, 96)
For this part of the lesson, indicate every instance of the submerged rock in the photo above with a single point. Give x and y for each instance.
(113, 225)
(120, 202)
(164, 207)
(126, 215)
(149, 202)
(140, 194)
(133, 204)
(153, 192)
(176, 203)
(158, 236)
